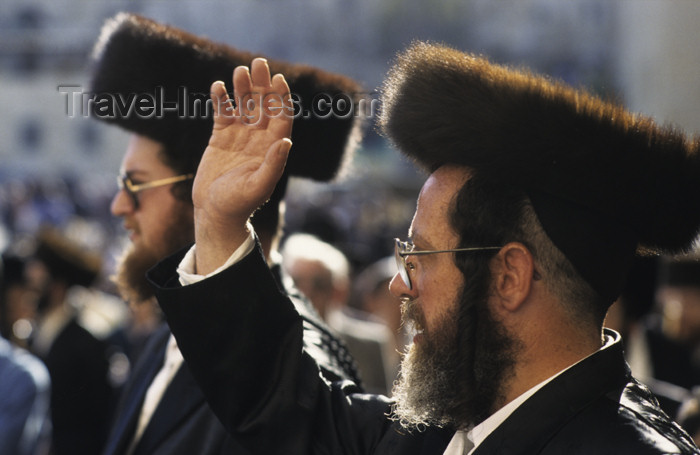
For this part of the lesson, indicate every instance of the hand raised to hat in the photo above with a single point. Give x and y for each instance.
(243, 161)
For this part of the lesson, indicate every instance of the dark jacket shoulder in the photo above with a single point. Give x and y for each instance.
(594, 407)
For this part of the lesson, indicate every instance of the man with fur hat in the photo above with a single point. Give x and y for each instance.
(537, 200)
(162, 410)
(78, 359)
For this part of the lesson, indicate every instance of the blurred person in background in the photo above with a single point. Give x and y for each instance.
(371, 294)
(18, 301)
(25, 387)
(162, 410)
(679, 299)
(656, 360)
(78, 358)
(319, 270)
(322, 273)
(689, 415)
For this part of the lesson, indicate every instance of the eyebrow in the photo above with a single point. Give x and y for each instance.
(135, 173)
(422, 241)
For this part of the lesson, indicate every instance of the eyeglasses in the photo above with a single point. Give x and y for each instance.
(403, 249)
(124, 182)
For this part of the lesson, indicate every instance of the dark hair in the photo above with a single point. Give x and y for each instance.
(489, 214)
(181, 163)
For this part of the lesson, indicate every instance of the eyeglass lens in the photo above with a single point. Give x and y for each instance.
(399, 248)
(125, 184)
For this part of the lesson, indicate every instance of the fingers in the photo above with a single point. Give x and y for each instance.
(242, 83)
(223, 106)
(259, 98)
(250, 86)
(280, 108)
(260, 73)
(279, 84)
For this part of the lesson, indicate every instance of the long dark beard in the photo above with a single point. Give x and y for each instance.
(454, 377)
(130, 277)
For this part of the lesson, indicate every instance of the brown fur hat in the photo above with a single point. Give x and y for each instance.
(136, 56)
(65, 259)
(603, 181)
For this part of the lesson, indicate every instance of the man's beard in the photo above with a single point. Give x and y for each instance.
(455, 375)
(137, 259)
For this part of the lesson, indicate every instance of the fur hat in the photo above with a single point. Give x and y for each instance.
(602, 181)
(171, 71)
(65, 259)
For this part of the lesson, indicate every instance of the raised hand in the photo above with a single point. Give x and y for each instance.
(244, 160)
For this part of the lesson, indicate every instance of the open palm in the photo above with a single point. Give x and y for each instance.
(243, 162)
(248, 148)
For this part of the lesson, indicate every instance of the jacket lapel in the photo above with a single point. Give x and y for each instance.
(129, 409)
(530, 427)
(436, 441)
(180, 399)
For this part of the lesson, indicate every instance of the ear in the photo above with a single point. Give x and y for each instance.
(513, 272)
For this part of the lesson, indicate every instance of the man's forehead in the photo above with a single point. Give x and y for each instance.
(430, 227)
(441, 187)
(445, 181)
(143, 155)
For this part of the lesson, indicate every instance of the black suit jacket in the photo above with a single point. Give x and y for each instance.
(183, 422)
(268, 392)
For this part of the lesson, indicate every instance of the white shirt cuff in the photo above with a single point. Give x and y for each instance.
(186, 269)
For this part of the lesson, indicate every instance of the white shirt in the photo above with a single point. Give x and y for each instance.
(466, 442)
(186, 268)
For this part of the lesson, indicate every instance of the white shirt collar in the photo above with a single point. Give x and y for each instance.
(477, 434)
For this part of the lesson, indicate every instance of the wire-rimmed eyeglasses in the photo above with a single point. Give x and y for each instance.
(131, 188)
(403, 249)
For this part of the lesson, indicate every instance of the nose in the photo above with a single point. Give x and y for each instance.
(121, 205)
(399, 289)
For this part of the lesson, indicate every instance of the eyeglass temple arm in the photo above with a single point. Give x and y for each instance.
(414, 253)
(165, 181)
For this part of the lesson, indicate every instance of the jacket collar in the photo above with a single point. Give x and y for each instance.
(531, 425)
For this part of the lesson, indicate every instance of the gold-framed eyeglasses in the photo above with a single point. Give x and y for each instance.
(132, 189)
(403, 249)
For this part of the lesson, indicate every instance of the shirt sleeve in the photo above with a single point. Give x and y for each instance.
(186, 269)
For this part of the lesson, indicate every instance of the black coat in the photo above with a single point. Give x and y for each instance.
(183, 423)
(267, 391)
(81, 393)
